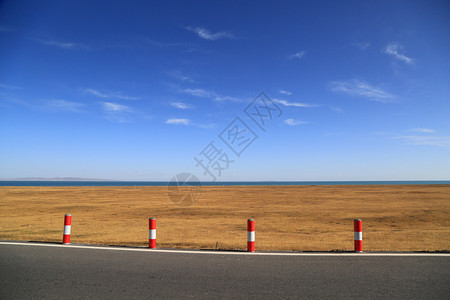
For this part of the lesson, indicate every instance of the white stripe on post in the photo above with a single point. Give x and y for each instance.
(67, 229)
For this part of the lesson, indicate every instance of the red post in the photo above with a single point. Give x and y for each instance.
(357, 223)
(152, 233)
(251, 235)
(67, 226)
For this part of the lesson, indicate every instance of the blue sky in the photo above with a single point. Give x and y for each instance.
(142, 90)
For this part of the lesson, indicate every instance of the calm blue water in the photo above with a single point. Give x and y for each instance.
(221, 183)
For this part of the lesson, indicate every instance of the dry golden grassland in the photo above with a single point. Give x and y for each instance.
(305, 218)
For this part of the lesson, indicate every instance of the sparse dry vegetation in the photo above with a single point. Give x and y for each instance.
(305, 218)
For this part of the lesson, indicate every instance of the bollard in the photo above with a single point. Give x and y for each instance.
(67, 226)
(358, 235)
(152, 233)
(251, 235)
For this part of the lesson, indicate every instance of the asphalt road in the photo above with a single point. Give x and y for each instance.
(59, 273)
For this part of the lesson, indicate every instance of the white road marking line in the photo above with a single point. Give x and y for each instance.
(221, 252)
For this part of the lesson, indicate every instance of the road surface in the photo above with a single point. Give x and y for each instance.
(59, 272)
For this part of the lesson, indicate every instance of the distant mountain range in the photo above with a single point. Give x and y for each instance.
(57, 179)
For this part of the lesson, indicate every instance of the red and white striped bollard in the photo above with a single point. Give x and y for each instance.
(152, 233)
(357, 223)
(67, 226)
(251, 235)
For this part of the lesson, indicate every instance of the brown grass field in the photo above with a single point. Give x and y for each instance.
(302, 218)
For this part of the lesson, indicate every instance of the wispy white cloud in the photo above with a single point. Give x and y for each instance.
(51, 105)
(63, 105)
(108, 95)
(187, 47)
(114, 107)
(362, 45)
(181, 105)
(95, 93)
(61, 44)
(420, 140)
(360, 88)
(283, 92)
(117, 112)
(159, 43)
(202, 93)
(422, 130)
(178, 121)
(187, 122)
(226, 98)
(208, 35)
(297, 55)
(292, 122)
(207, 126)
(394, 49)
(180, 76)
(336, 109)
(294, 104)
(10, 87)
